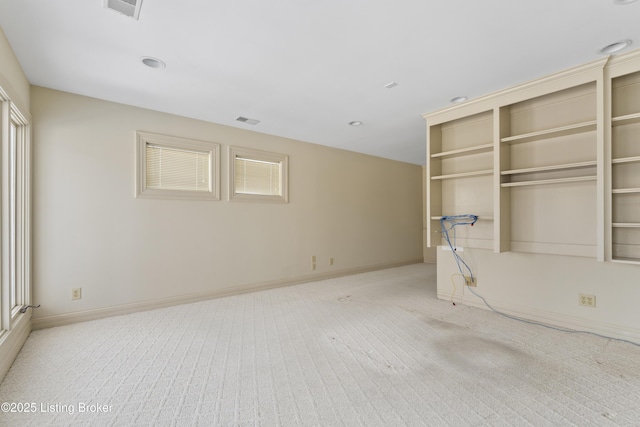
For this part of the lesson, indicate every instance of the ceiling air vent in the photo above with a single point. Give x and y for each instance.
(247, 120)
(126, 7)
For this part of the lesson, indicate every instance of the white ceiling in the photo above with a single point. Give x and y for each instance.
(305, 68)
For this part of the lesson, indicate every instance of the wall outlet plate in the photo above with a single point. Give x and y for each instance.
(76, 293)
(587, 300)
(471, 281)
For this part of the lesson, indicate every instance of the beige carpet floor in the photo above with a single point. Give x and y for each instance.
(374, 349)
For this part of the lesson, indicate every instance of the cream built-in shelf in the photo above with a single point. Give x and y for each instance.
(478, 149)
(586, 119)
(549, 181)
(625, 120)
(625, 190)
(626, 160)
(463, 174)
(552, 133)
(622, 260)
(480, 218)
(566, 166)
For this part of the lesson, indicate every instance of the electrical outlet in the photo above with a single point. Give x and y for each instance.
(330, 261)
(587, 300)
(471, 281)
(313, 262)
(76, 293)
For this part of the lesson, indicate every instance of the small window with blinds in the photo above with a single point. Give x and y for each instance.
(176, 168)
(258, 176)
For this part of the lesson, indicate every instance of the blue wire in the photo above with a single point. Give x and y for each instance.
(457, 220)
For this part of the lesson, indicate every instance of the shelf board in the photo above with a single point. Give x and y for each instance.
(551, 133)
(463, 174)
(480, 218)
(549, 181)
(626, 225)
(626, 119)
(625, 190)
(626, 160)
(623, 260)
(550, 168)
(478, 149)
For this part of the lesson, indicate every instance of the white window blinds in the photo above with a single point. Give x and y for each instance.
(170, 168)
(257, 177)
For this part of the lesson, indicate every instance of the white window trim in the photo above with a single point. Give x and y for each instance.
(15, 232)
(144, 138)
(283, 159)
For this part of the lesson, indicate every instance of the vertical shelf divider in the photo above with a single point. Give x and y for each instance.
(434, 187)
(605, 137)
(502, 195)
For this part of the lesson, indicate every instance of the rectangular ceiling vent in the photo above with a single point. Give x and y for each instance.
(247, 120)
(130, 8)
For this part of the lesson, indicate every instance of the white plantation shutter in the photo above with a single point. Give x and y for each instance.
(175, 169)
(258, 177)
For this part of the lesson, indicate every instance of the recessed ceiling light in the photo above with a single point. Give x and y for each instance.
(615, 47)
(459, 99)
(355, 123)
(623, 2)
(391, 85)
(153, 62)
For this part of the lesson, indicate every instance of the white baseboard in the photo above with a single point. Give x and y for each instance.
(549, 318)
(11, 342)
(99, 313)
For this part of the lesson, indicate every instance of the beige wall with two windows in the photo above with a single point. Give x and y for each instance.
(91, 232)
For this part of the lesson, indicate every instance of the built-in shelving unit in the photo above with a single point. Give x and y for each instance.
(625, 167)
(551, 166)
(460, 175)
(527, 161)
(549, 171)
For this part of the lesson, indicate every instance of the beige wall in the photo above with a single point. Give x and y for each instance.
(546, 288)
(91, 232)
(12, 78)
